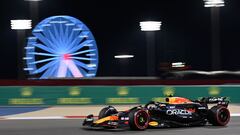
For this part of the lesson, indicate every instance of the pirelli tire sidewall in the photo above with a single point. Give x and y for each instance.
(134, 122)
(214, 116)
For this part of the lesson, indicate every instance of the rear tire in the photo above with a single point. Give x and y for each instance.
(138, 119)
(219, 116)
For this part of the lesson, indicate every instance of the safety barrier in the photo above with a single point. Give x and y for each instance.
(95, 95)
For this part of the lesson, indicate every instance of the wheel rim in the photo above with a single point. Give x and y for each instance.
(223, 115)
(141, 119)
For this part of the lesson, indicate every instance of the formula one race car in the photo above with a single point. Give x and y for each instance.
(175, 112)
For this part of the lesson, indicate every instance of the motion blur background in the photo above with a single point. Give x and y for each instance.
(202, 42)
(185, 34)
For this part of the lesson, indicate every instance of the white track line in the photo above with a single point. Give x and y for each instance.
(35, 118)
(235, 114)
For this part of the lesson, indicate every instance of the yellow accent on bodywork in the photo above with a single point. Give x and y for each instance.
(153, 123)
(109, 118)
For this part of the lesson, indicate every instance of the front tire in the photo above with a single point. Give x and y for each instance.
(219, 116)
(107, 111)
(138, 119)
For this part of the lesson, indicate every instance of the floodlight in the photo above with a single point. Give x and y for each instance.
(150, 25)
(21, 24)
(33, 0)
(123, 56)
(178, 64)
(214, 3)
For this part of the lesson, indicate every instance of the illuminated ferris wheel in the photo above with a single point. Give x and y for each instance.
(61, 47)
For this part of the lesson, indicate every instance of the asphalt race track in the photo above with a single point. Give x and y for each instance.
(73, 127)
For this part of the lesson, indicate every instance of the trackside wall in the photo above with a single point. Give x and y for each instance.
(98, 94)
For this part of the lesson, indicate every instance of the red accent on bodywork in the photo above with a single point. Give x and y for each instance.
(113, 118)
(191, 110)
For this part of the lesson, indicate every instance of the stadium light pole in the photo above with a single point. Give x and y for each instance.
(20, 26)
(34, 9)
(150, 27)
(215, 23)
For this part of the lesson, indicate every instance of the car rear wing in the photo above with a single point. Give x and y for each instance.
(215, 100)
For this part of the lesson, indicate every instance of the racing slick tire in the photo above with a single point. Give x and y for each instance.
(138, 119)
(107, 111)
(219, 116)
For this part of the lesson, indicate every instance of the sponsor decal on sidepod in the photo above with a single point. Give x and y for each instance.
(178, 112)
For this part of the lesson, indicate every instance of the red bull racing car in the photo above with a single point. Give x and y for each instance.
(174, 112)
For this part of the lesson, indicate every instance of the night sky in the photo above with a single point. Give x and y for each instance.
(185, 34)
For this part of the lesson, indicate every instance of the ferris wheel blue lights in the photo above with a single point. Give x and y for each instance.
(61, 47)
